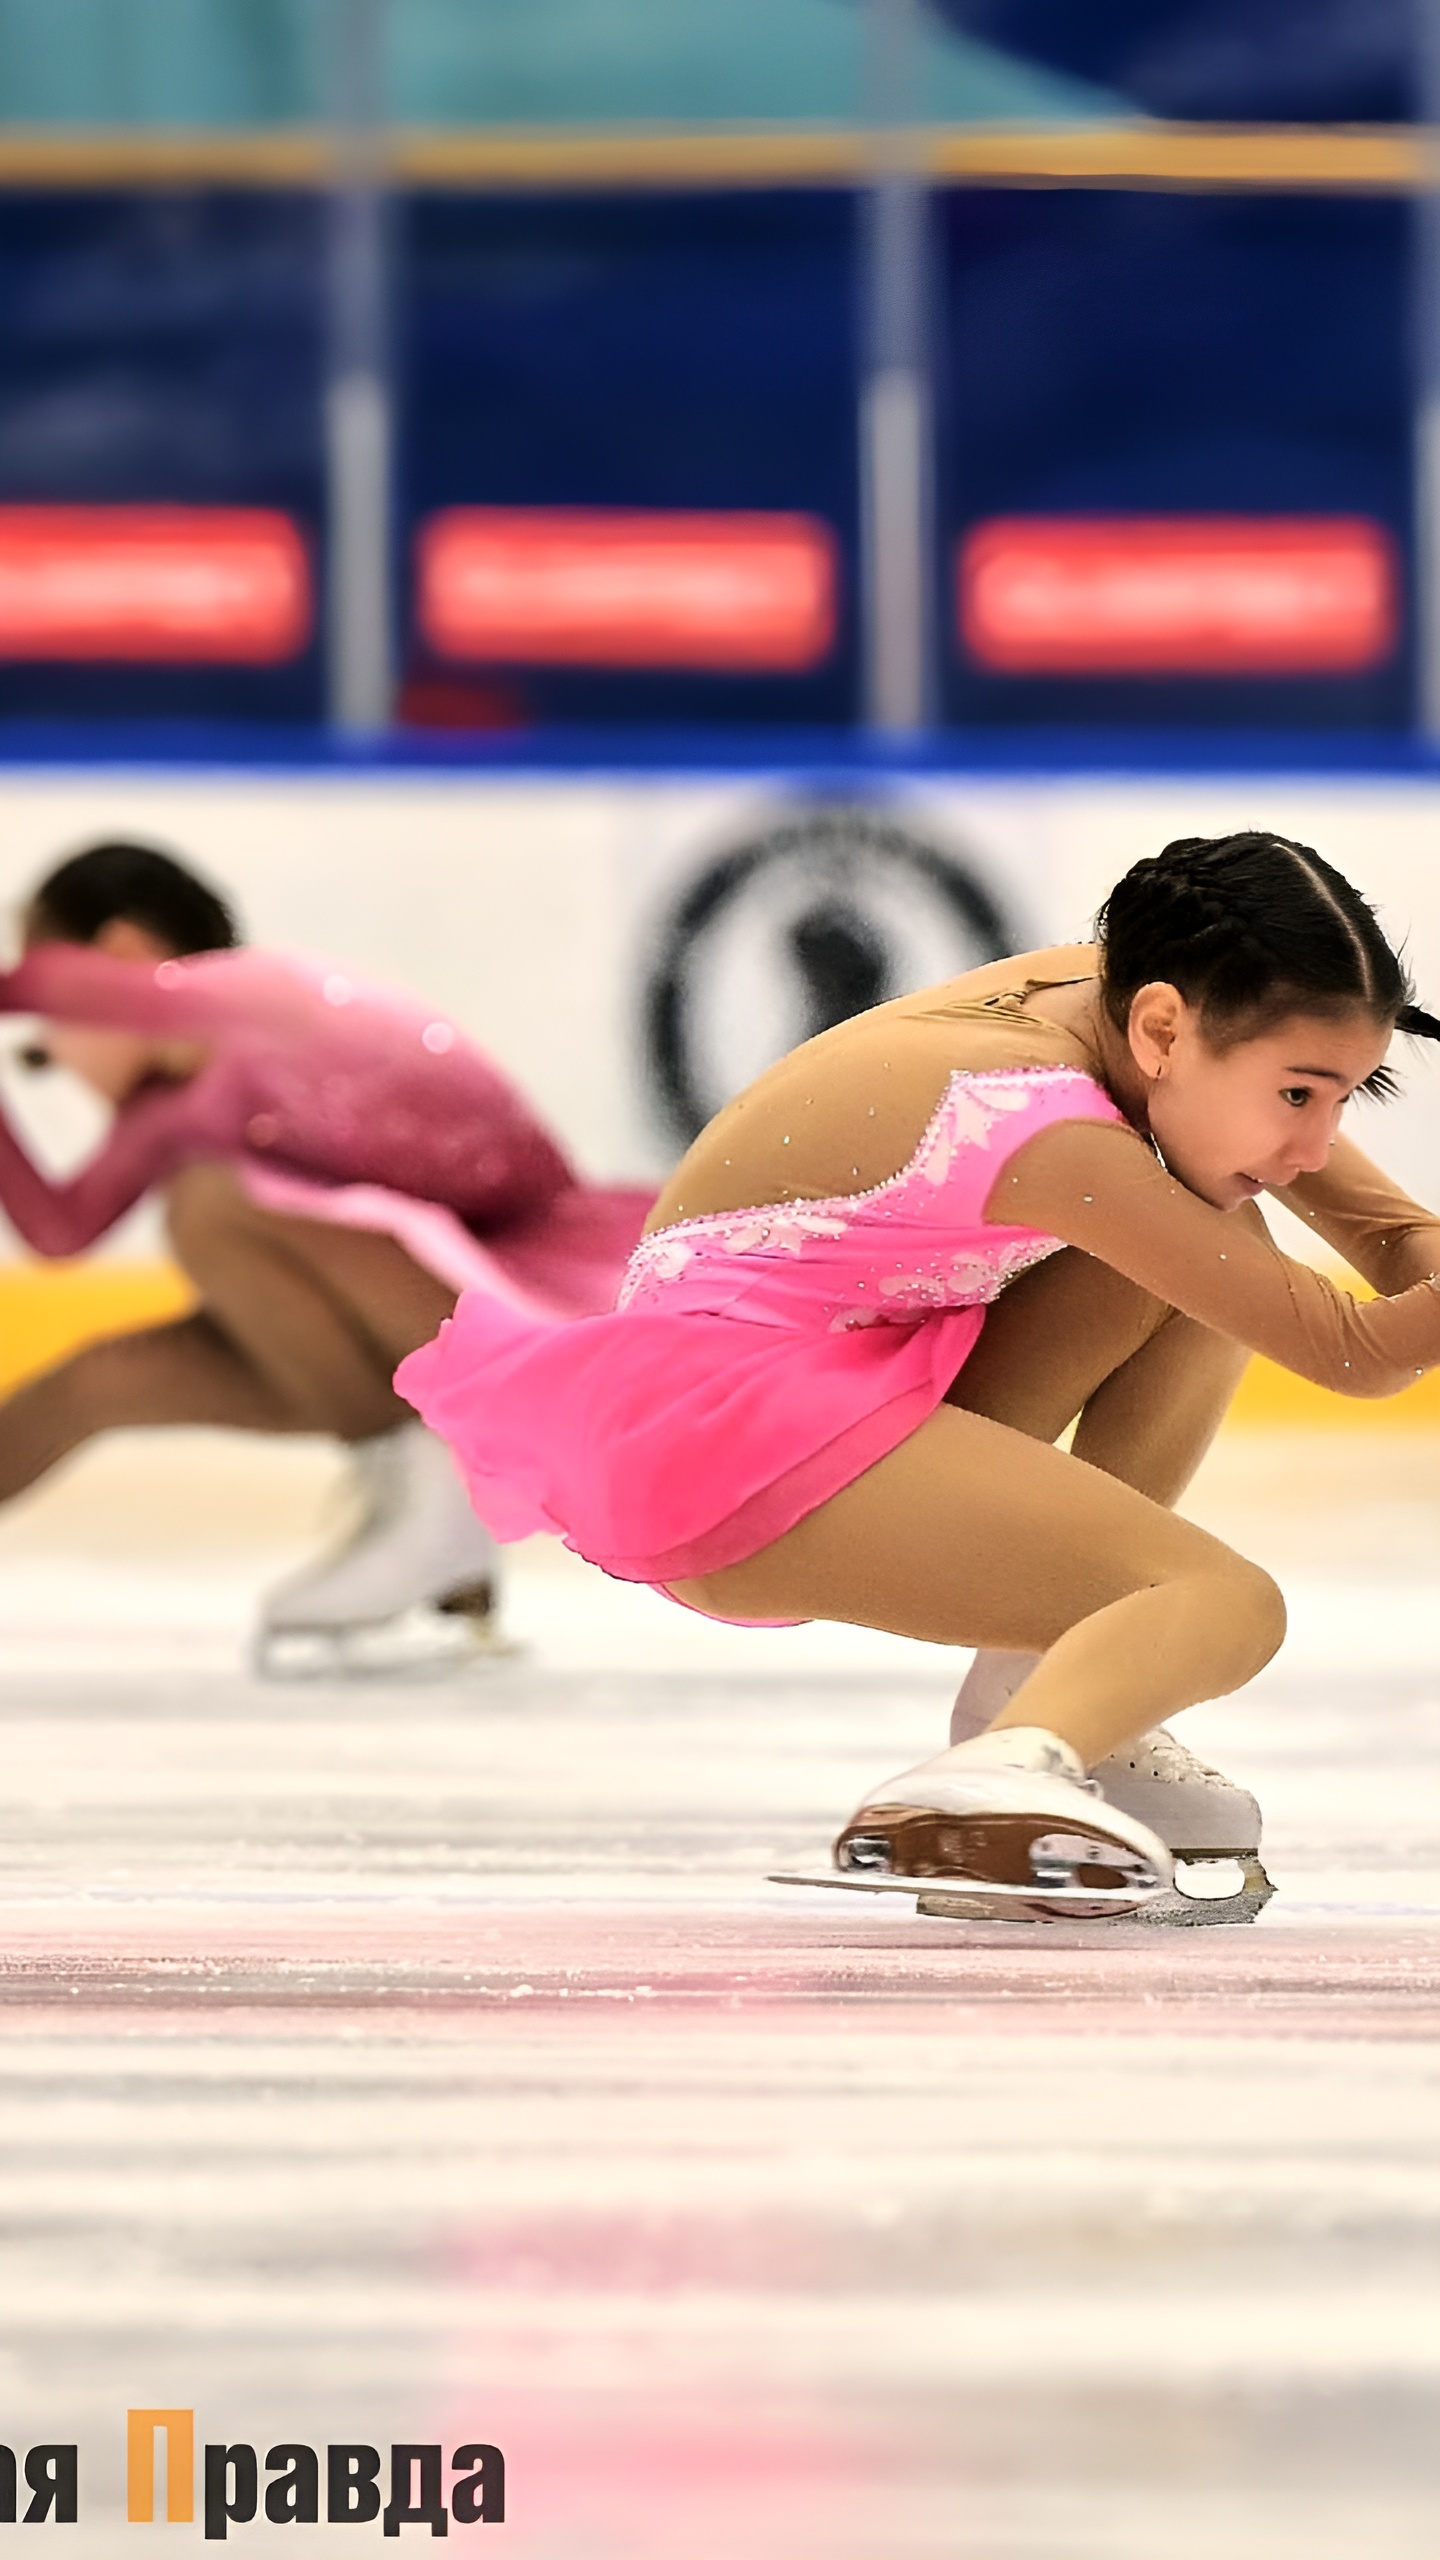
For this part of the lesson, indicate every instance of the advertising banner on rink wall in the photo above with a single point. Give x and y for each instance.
(635, 947)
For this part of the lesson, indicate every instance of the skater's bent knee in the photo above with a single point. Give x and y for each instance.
(1254, 1616)
(1267, 1602)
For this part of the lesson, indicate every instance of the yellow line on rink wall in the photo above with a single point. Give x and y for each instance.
(1269, 1397)
(48, 1310)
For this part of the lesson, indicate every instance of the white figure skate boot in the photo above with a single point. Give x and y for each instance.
(413, 1588)
(1005, 1827)
(1204, 1819)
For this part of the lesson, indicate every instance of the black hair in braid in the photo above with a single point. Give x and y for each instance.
(1252, 928)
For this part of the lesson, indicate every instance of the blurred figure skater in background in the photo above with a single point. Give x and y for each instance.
(337, 1162)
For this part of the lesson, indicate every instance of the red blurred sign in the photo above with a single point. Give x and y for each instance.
(583, 587)
(1178, 595)
(170, 584)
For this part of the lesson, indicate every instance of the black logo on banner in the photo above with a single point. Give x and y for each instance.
(823, 915)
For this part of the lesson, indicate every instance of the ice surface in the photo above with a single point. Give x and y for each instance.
(401, 2062)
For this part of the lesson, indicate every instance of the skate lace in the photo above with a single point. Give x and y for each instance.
(1169, 1758)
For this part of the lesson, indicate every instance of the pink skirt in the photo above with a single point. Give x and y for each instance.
(664, 1446)
(567, 1262)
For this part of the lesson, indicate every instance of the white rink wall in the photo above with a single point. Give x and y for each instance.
(531, 906)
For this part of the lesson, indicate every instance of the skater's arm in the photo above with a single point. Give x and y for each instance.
(1099, 1187)
(189, 999)
(57, 1218)
(1371, 1223)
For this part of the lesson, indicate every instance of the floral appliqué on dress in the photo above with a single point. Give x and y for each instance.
(915, 1245)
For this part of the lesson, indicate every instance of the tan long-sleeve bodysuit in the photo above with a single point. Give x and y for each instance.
(840, 1115)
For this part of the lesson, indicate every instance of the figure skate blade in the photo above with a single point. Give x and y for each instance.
(960, 1898)
(1211, 1893)
(420, 1644)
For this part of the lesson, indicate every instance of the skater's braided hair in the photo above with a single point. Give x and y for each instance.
(1251, 928)
(136, 882)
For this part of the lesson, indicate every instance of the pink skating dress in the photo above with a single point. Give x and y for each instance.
(758, 1360)
(333, 1100)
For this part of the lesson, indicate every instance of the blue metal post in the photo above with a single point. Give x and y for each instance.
(896, 401)
(359, 405)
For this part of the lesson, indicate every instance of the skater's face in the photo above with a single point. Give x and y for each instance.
(1254, 1114)
(115, 1063)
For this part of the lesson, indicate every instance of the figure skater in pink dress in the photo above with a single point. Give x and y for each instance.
(885, 1281)
(337, 1162)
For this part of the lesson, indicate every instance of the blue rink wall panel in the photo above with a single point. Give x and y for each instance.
(1095, 351)
(163, 347)
(1164, 354)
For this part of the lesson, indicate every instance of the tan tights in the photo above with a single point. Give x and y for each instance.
(300, 1327)
(978, 1531)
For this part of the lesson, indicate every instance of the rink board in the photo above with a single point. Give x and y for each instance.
(46, 1312)
(556, 915)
